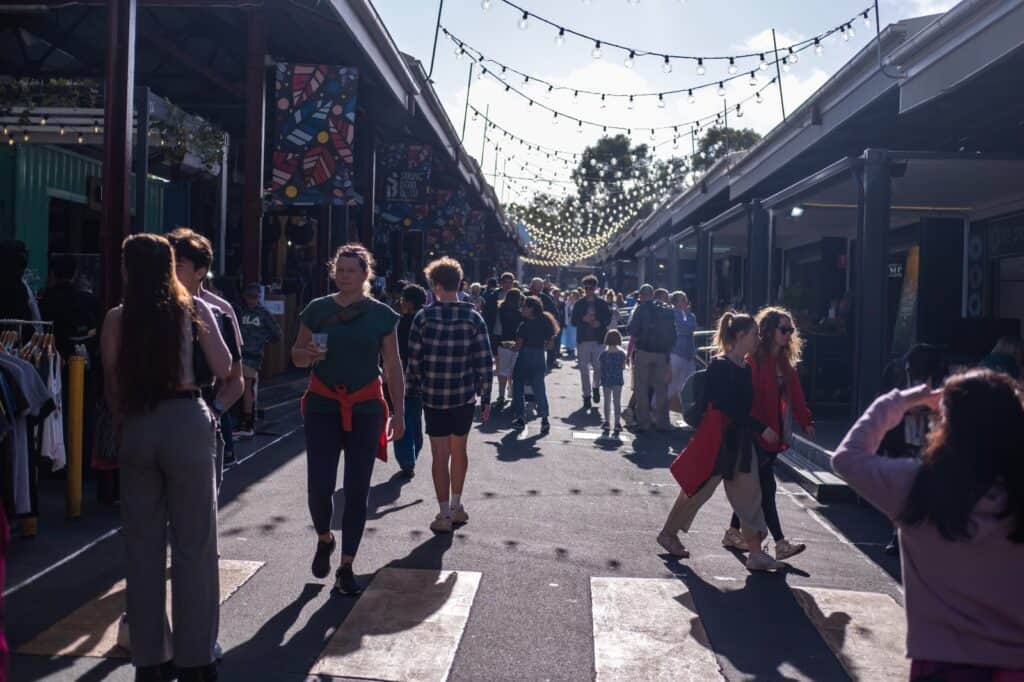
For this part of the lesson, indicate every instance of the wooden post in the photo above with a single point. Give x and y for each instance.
(119, 80)
(255, 120)
(141, 156)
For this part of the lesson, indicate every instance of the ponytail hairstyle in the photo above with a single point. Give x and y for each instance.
(730, 326)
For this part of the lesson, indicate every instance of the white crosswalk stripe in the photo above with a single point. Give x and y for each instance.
(406, 626)
(648, 630)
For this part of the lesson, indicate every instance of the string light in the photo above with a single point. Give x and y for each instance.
(560, 38)
(524, 21)
(732, 65)
(81, 138)
(42, 120)
(485, 4)
(667, 65)
(867, 19)
(596, 52)
(721, 89)
(763, 65)
(819, 49)
(753, 79)
(629, 60)
(700, 66)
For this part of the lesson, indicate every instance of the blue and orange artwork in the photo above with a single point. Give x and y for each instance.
(315, 107)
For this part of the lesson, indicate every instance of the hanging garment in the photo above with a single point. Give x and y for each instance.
(53, 447)
(37, 402)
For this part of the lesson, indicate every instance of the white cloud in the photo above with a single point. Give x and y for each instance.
(762, 42)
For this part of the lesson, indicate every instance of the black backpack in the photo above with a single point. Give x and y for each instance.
(692, 397)
(659, 331)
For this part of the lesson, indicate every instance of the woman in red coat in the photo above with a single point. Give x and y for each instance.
(778, 401)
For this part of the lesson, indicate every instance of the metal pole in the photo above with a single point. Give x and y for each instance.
(437, 30)
(483, 138)
(778, 74)
(465, 110)
(76, 401)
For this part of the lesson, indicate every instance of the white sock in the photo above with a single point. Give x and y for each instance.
(456, 501)
(446, 508)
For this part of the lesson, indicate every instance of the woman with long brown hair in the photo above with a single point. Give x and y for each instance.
(959, 509)
(151, 345)
(729, 390)
(344, 406)
(778, 401)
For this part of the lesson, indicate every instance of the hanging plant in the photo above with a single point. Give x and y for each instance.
(24, 94)
(182, 134)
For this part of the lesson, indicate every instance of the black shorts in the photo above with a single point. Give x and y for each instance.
(452, 421)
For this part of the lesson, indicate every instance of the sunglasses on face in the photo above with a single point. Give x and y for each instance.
(786, 331)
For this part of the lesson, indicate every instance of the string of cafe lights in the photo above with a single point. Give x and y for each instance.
(667, 58)
(789, 56)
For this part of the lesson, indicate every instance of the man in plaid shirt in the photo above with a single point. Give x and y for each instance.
(450, 364)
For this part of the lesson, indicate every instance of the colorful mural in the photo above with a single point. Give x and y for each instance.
(405, 172)
(315, 108)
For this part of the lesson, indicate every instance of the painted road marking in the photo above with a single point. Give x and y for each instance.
(92, 629)
(867, 632)
(406, 626)
(648, 630)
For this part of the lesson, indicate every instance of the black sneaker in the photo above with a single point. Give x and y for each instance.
(597, 395)
(229, 457)
(165, 672)
(586, 402)
(202, 673)
(345, 581)
(518, 424)
(545, 425)
(408, 472)
(605, 427)
(322, 559)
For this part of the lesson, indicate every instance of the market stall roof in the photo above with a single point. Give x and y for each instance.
(924, 184)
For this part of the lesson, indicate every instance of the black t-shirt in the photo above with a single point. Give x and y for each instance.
(535, 333)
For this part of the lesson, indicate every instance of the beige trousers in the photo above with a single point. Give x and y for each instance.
(743, 491)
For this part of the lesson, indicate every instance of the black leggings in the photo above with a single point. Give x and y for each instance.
(766, 474)
(325, 440)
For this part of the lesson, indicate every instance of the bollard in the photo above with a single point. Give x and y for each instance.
(73, 414)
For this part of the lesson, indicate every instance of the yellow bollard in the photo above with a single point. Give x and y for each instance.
(73, 414)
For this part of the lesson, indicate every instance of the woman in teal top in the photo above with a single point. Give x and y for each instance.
(360, 332)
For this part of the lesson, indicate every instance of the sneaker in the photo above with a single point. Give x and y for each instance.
(586, 402)
(229, 457)
(605, 427)
(246, 431)
(759, 561)
(322, 559)
(596, 394)
(460, 516)
(733, 539)
(545, 425)
(345, 581)
(202, 673)
(671, 544)
(218, 652)
(518, 423)
(785, 549)
(617, 430)
(408, 472)
(441, 524)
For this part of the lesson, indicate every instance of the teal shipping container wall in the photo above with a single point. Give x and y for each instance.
(31, 174)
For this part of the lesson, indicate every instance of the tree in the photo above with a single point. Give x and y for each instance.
(718, 142)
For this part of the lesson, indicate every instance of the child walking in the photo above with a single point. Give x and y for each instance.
(612, 362)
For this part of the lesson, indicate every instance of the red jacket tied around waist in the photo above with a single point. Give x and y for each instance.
(769, 404)
(373, 391)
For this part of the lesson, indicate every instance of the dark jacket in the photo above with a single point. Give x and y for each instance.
(74, 313)
(489, 309)
(584, 332)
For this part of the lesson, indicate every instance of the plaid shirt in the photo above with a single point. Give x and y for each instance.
(450, 360)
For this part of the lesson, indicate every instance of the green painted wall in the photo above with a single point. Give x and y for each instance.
(41, 172)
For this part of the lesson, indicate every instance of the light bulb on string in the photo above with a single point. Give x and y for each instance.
(867, 19)
(661, 101)
(629, 103)
(739, 111)
(666, 66)
(793, 58)
(524, 21)
(819, 49)
(596, 52)
(42, 120)
(721, 89)
(850, 33)
(579, 129)
(758, 98)
(689, 97)
(554, 119)
(481, 73)
(560, 38)
(604, 104)
(460, 52)
(732, 66)
(785, 64)
(753, 79)
(81, 139)
(550, 89)
(700, 66)
(485, 4)
(629, 60)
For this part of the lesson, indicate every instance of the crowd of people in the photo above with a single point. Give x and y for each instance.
(176, 357)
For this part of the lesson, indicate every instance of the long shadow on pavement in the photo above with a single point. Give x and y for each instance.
(657, 450)
(760, 630)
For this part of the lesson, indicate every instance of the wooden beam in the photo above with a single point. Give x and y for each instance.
(117, 137)
(172, 50)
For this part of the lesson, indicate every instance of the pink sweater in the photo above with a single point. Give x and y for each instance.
(965, 599)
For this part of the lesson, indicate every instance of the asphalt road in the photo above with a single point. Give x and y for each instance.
(548, 514)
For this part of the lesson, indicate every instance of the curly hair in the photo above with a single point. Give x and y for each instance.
(358, 252)
(770, 319)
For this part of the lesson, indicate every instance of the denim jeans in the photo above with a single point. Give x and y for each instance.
(408, 447)
(531, 366)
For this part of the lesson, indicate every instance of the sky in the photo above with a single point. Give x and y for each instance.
(683, 27)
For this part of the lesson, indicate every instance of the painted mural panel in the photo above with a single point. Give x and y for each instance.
(314, 125)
